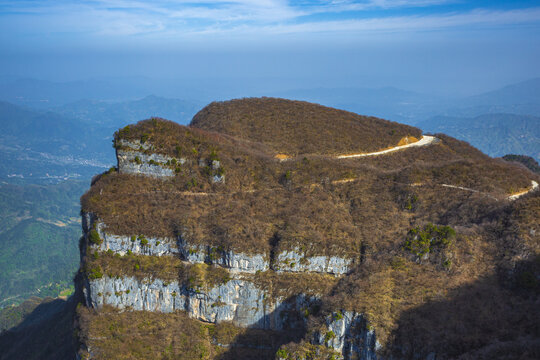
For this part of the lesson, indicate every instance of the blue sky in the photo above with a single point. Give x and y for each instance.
(395, 39)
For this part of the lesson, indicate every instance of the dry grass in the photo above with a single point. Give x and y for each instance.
(298, 127)
(305, 203)
(114, 335)
(111, 334)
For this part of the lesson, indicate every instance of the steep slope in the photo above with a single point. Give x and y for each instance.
(318, 255)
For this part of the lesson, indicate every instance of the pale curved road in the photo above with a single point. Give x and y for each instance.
(425, 140)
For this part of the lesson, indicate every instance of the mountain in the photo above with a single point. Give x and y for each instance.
(496, 134)
(388, 102)
(45, 94)
(526, 92)
(244, 236)
(45, 147)
(414, 108)
(119, 114)
(527, 161)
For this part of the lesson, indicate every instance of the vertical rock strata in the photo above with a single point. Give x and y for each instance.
(348, 333)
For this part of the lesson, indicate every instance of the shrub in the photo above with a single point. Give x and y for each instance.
(329, 336)
(95, 238)
(421, 241)
(282, 354)
(137, 160)
(143, 240)
(95, 273)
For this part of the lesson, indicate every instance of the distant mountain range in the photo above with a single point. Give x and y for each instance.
(63, 137)
(495, 134)
(47, 146)
(412, 108)
(118, 114)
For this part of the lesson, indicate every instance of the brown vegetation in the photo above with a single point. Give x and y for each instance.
(298, 127)
(357, 208)
(113, 335)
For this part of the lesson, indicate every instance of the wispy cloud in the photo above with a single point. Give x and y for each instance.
(242, 18)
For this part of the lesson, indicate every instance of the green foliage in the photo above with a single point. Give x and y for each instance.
(338, 315)
(143, 240)
(421, 241)
(144, 138)
(95, 272)
(39, 230)
(94, 237)
(329, 336)
(137, 160)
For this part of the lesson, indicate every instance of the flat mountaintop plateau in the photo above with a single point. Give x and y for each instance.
(248, 234)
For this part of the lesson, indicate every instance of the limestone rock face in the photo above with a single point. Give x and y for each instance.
(135, 160)
(234, 261)
(237, 300)
(149, 246)
(294, 261)
(348, 333)
(122, 244)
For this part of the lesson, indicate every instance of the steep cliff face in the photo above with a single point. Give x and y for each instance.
(295, 261)
(321, 256)
(349, 334)
(134, 157)
(237, 301)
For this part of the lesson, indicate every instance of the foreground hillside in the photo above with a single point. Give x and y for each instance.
(241, 236)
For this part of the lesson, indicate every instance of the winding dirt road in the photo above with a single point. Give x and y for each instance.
(425, 140)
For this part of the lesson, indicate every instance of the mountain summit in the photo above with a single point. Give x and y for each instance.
(249, 234)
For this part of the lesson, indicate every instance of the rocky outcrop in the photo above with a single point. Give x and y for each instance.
(237, 300)
(135, 158)
(136, 244)
(295, 261)
(232, 260)
(350, 334)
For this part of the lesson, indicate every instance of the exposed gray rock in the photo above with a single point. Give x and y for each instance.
(218, 178)
(136, 162)
(349, 333)
(235, 262)
(121, 244)
(240, 262)
(135, 144)
(237, 300)
(294, 261)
